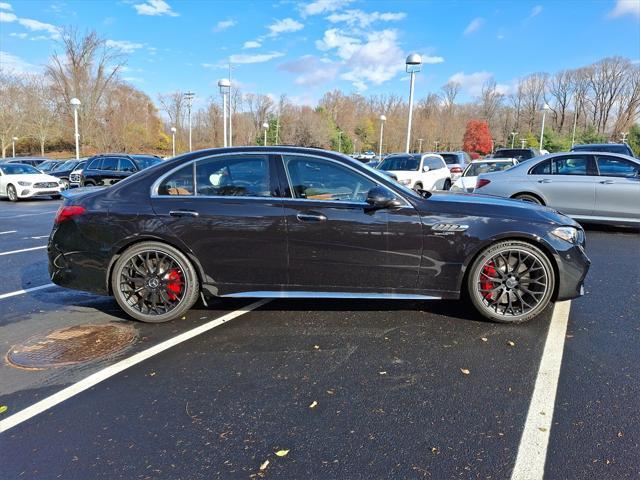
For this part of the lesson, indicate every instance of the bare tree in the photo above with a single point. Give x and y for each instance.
(11, 116)
(533, 87)
(41, 110)
(490, 100)
(560, 88)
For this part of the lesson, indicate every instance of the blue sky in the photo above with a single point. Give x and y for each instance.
(304, 49)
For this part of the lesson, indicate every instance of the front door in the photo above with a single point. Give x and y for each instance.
(226, 211)
(336, 243)
(617, 188)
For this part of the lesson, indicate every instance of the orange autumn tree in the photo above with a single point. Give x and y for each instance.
(477, 137)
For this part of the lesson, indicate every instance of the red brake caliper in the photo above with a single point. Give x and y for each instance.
(487, 285)
(174, 283)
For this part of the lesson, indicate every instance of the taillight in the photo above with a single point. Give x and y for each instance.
(455, 170)
(68, 212)
(481, 182)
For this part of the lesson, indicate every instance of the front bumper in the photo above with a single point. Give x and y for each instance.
(30, 192)
(573, 266)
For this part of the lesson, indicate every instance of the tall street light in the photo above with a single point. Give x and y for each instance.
(513, 138)
(75, 103)
(189, 97)
(339, 141)
(173, 140)
(624, 136)
(383, 119)
(413, 63)
(13, 146)
(575, 119)
(523, 142)
(545, 109)
(225, 86)
(265, 125)
(420, 145)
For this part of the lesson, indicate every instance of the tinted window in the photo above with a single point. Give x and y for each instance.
(109, 164)
(517, 153)
(616, 167)
(64, 166)
(95, 164)
(146, 162)
(126, 165)
(543, 168)
(178, 183)
(246, 176)
(613, 148)
(400, 162)
(476, 169)
(317, 179)
(451, 158)
(570, 165)
(18, 169)
(433, 163)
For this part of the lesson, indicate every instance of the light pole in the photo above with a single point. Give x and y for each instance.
(230, 109)
(339, 141)
(383, 119)
(13, 146)
(545, 108)
(575, 119)
(173, 140)
(265, 125)
(413, 63)
(75, 103)
(225, 86)
(189, 96)
(419, 145)
(436, 144)
(624, 136)
(523, 142)
(513, 138)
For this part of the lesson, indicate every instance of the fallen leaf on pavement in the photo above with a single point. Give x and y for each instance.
(282, 453)
(264, 465)
(3, 408)
(510, 343)
(484, 339)
(317, 347)
(314, 404)
(382, 373)
(466, 371)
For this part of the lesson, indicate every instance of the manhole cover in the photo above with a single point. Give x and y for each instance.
(71, 345)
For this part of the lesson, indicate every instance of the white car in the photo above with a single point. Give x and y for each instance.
(24, 181)
(420, 171)
(467, 182)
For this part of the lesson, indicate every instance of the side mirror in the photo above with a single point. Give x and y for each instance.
(380, 197)
(425, 169)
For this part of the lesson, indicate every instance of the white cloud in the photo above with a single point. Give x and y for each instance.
(285, 25)
(472, 83)
(311, 70)
(7, 17)
(5, 6)
(625, 7)
(134, 79)
(14, 64)
(223, 25)
(258, 58)
(430, 60)
(345, 45)
(323, 6)
(252, 44)
(535, 11)
(38, 26)
(155, 8)
(18, 35)
(363, 19)
(474, 25)
(124, 46)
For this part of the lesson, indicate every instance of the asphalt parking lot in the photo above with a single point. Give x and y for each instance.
(348, 389)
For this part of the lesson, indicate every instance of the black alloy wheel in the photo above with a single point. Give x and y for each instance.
(154, 282)
(511, 282)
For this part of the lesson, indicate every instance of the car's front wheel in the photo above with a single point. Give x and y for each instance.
(12, 193)
(154, 282)
(511, 282)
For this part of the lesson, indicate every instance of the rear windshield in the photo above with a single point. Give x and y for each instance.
(476, 169)
(450, 158)
(517, 153)
(146, 162)
(612, 148)
(400, 163)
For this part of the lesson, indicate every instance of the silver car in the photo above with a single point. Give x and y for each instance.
(597, 187)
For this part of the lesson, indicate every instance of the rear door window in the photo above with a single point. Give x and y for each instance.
(126, 165)
(570, 165)
(179, 183)
(238, 175)
(110, 164)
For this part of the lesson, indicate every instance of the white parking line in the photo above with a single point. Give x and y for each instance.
(8, 231)
(101, 375)
(26, 290)
(22, 250)
(39, 237)
(29, 214)
(532, 452)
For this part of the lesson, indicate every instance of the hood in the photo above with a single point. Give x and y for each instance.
(34, 178)
(403, 174)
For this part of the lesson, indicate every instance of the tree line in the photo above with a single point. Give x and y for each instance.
(602, 100)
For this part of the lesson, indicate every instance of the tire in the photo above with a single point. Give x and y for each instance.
(176, 286)
(56, 197)
(418, 186)
(88, 184)
(65, 183)
(526, 197)
(12, 193)
(447, 184)
(511, 282)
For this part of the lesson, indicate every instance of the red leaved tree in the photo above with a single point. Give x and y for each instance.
(477, 137)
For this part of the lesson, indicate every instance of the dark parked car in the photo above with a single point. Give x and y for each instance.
(48, 165)
(298, 222)
(33, 161)
(520, 154)
(63, 171)
(621, 148)
(108, 169)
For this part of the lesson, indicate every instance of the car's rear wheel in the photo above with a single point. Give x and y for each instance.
(12, 193)
(88, 184)
(154, 282)
(526, 197)
(511, 282)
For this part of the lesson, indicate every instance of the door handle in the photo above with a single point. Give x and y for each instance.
(607, 182)
(183, 213)
(311, 217)
(544, 180)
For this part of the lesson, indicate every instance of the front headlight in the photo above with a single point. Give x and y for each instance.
(405, 181)
(24, 184)
(569, 234)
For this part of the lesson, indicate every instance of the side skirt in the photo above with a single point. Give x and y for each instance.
(296, 294)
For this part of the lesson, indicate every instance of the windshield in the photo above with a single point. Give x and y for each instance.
(450, 158)
(476, 169)
(48, 165)
(65, 166)
(517, 153)
(400, 163)
(19, 169)
(146, 162)
(613, 148)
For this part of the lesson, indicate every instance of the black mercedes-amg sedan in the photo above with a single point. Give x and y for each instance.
(300, 222)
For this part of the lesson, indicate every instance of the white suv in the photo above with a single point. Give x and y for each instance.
(420, 171)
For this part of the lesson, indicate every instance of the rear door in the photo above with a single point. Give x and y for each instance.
(227, 210)
(617, 188)
(567, 183)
